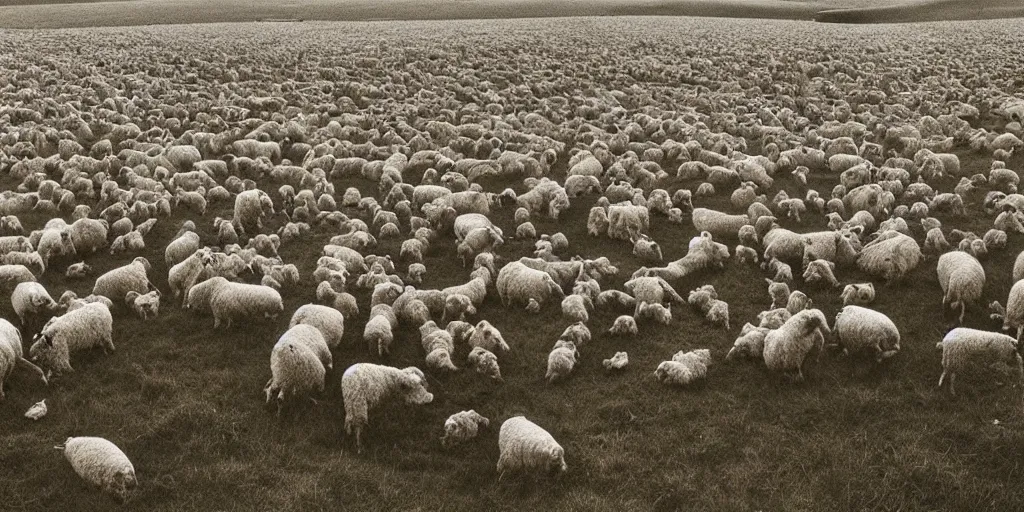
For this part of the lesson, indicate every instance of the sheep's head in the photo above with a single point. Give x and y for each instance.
(412, 384)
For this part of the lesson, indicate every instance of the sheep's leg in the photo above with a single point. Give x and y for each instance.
(952, 379)
(963, 309)
(942, 378)
(35, 369)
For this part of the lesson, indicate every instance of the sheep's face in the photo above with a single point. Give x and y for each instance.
(413, 389)
(557, 463)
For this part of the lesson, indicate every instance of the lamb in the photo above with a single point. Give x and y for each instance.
(645, 248)
(234, 301)
(624, 325)
(821, 270)
(487, 336)
(961, 278)
(296, 368)
(78, 270)
(962, 346)
(858, 294)
(749, 344)
(561, 360)
(130, 242)
(935, 243)
(462, 427)
(329, 321)
(30, 300)
(101, 464)
(705, 299)
(184, 275)
(438, 345)
(652, 290)
(181, 248)
(783, 272)
(143, 305)
(85, 327)
(788, 347)
(366, 385)
(577, 333)
(526, 447)
(379, 330)
(657, 312)
(597, 221)
(859, 328)
(116, 283)
(685, 368)
(475, 290)
(779, 292)
(576, 308)
(616, 362)
(746, 255)
(12, 355)
(484, 362)
(518, 284)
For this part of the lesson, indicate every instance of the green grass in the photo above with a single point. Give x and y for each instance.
(186, 403)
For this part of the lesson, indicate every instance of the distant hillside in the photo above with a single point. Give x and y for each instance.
(925, 10)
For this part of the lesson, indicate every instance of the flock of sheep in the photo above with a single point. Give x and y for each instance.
(829, 167)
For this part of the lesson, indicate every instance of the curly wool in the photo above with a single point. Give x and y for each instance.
(456, 307)
(702, 254)
(31, 299)
(891, 256)
(749, 344)
(144, 305)
(366, 385)
(575, 308)
(295, 368)
(561, 360)
(863, 329)
(962, 278)
(101, 464)
(85, 327)
(484, 362)
(963, 346)
(651, 290)
(821, 271)
(487, 336)
(12, 355)
(379, 330)
(624, 325)
(438, 346)
(329, 321)
(720, 225)
(518, 284)
(116, 283)
(462, 427)
(526, 447)
(858, 294)
(786, 348)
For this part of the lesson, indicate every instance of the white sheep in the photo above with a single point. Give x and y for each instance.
(779, 292)
(685, 368)
(526, 447)
(462, 427)
(487, 336)
(101, 464)
(749, 344)
(962, 346)
(182, 247)
(484, 362)
(297, 370)
(616, 362)
(518, 284)
(859, 328)
(366, 385)
(116, 283)
(438, 346)
(78, 270)
(962, 278)
(656, 312)
(85, 327)
(12, 355)
(30, 300)
(235, 301)
(787, 348)
(821, 271)
(858, 294)
(456, 307)
(144, 305)
(379, 330)
(183, 275)
(561, 360)
(576, 308)
(624, 325)
(329, 321)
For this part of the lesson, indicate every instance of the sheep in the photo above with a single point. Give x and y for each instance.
(857, 328)
(597, 221)
(101, 464)
(705, 299)
(616, 297)
(143, 305)
(484, 362)
(890, 256)
(962, 346)
(798, 301)
(577, 333)
(343, 302)
(379, 330)
(561, 360)
(296, 368)
(779, 292)
(717, 223)
(116, 283)
(234, 301)
(517, 283)
(624, 325)
(858, 294)
(462, 427)
(685, 368)
(821, 270)
(30, 300)
(935, 243)
(181, 248)
(657, 312)
(251, 207)
(88, 235)
(184, 275)
(576, 308)
(438, 346)
(329, 321)
(475, 290)
(788, 347)
(646, 249)
(703, 253)
(487, 336)
(745, 255)
(12, 355)
(749, 344)
(526, 447)
(783, 273)
(961, 278)
(85, 327)
(616, 362)
(366, 385)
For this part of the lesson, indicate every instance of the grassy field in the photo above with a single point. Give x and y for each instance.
(93, 13)
(185, 402)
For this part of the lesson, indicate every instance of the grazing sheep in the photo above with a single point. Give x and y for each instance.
(645, 248)
(624, 325)
(438, 346)
(858, 294)
(30, 300)
(616, 362)
(456, 307)
(657, 312)
(779, 292)
(184, 275)
(236, 301)
(484, 362)
(577, 333)
(576, 308)
(787, 348)
(101, 464)
(78, 270)
(487, 336)
(116, 283)
(685, 368)
(622, 299)
(143, 305)
(519, 284)
(890, 256)
(561, 360)
(379, 330)
(858, 328)
(329, 321)
(797, 302)
(297, 370)
(526, 447)
(962, 346)
(961, 278)
(462, 427)
(12, 355)
(720, 225)
(749, 344)
(366, 385)
(821, 271)
(181, 248)
(783, 273)
(85, 327)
